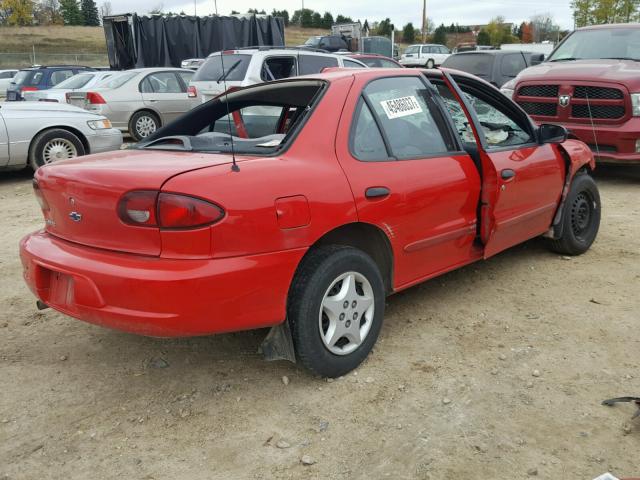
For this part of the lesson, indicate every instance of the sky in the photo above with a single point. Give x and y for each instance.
(463, 12)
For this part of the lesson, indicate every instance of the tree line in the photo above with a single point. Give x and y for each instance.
(50, 12)
(596, 12)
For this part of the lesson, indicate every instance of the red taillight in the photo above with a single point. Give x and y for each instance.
(44, 205)
(180, 211)
(139, 208)
(28, 89)
(192, 92)
(147, 208)
(95, 98)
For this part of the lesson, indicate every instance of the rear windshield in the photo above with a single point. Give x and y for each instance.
(313, 41)
(231, 67)
(117, 80)
(476, 63)
(255, 121)
(77, 81)
(28, 77)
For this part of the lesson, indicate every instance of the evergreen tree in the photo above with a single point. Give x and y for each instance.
(71, 13)
(316, 20)
(327, 20)
(384, 28)
(89, 11)
(440, 35)
(409, 33)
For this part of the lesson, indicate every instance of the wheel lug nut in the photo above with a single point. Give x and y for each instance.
(345, 304)
(341, 316)
(353, 304)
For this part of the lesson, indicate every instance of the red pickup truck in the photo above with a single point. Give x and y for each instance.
(591, 85)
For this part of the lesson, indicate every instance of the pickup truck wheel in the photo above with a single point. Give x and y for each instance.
(335, 309)
(53, 145)
(430, 63)
(581, 217)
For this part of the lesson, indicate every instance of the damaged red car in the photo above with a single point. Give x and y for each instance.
(300, 205)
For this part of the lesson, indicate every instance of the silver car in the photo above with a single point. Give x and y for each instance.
(139, 101)
(37, 133)
(79, 82)
(5, 79)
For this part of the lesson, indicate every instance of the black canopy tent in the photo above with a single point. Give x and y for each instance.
(164, 41)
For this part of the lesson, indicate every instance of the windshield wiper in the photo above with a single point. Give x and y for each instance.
(226, 74)
(568, 59)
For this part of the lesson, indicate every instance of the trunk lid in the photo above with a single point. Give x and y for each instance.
(83, 195)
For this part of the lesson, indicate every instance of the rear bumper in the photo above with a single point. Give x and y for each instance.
(156, 296)
(105, 140)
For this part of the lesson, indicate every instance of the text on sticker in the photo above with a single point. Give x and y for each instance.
(401, 107)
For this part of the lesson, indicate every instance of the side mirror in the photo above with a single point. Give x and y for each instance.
(537, 58)
(550, 133)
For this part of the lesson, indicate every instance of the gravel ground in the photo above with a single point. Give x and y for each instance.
(494, 371)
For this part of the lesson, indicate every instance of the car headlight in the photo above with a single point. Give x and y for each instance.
(99, 124)
(635, 104)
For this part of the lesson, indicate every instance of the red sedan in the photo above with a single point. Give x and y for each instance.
(302, 209)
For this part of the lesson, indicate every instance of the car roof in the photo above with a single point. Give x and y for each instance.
(426, 45)
(489, 52)
(271, 50)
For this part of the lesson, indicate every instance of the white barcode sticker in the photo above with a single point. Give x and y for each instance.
(401, 107)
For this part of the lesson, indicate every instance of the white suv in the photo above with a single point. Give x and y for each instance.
(249, 66)
(429, 56)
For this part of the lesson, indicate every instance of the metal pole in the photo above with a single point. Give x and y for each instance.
(195, 8)
(424, 20)
(393, 39)
(34, 54)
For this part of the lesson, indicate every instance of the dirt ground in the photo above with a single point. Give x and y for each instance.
(448, 393)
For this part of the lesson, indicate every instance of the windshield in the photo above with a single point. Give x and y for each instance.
(476, 63)
(235, 68)
(117, 80)
(77, 81)
(599, 43)
(313, 41)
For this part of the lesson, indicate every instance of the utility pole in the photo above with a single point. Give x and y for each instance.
(424, 20)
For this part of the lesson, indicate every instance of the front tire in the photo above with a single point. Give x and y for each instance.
(580, 217)
(143, 124)
(53, 145)
(335, 309)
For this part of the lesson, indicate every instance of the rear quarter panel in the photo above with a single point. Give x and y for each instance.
(309, 168)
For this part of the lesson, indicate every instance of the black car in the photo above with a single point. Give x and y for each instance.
(330, 43)
(41, 78)
(494, 66)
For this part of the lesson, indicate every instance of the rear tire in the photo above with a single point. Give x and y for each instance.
(52, 145)
(335, 309)
(430, 64)
(580, 217)
(142, 124)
